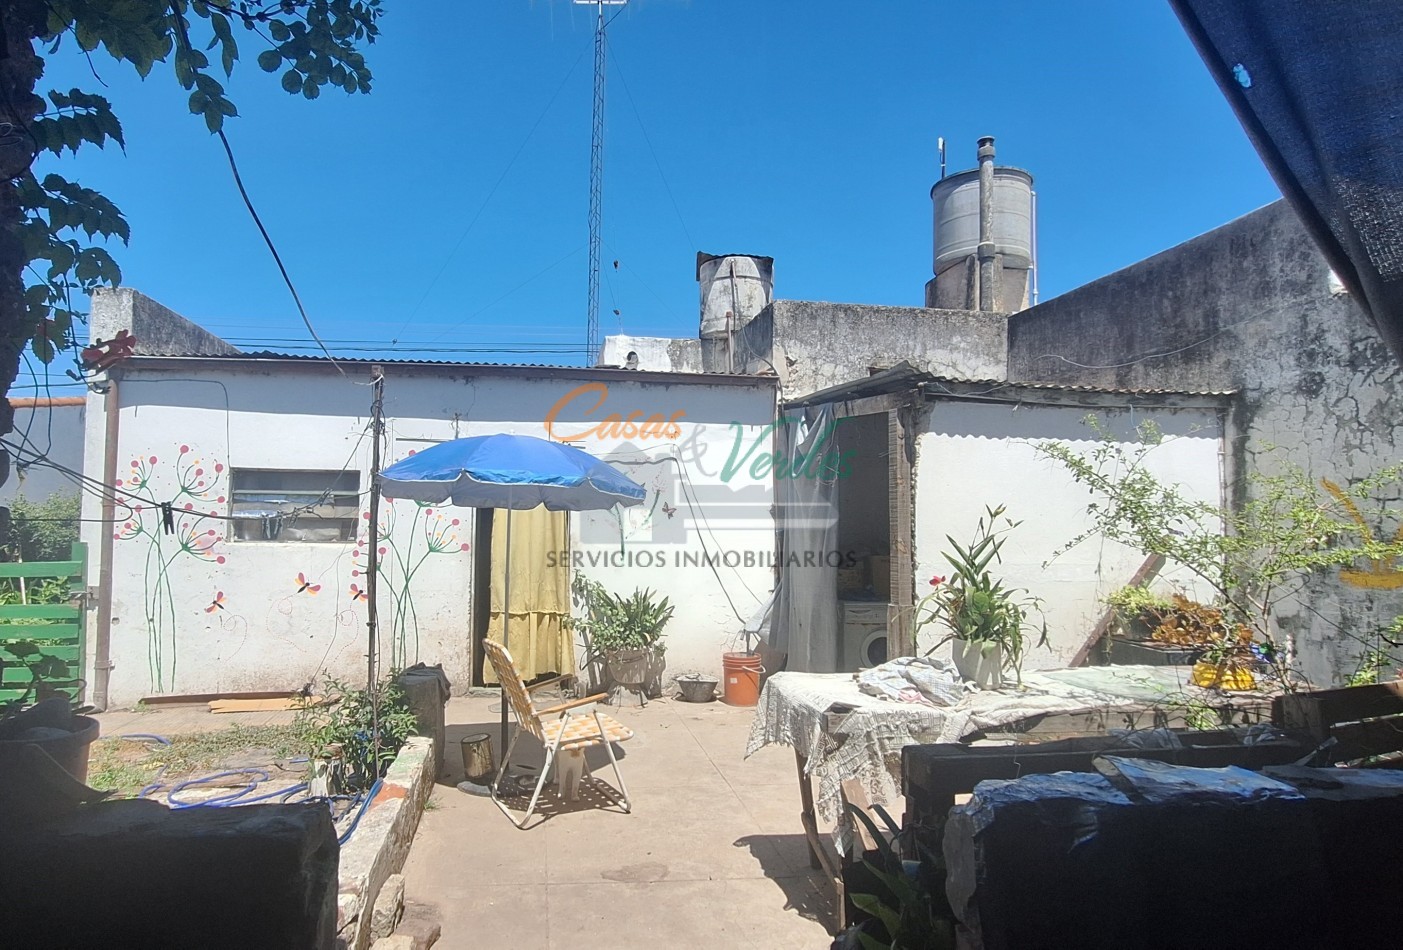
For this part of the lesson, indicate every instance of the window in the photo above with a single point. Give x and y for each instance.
(294, 506)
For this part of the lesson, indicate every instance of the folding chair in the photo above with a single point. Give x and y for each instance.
(564, 727)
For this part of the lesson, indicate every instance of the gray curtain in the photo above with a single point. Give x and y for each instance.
(805, 622)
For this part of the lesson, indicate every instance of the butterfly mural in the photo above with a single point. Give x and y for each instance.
(305, 585)
(357, 593)
(669, 510)
(217, 603)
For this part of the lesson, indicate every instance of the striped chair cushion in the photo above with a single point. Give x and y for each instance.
(582, 731)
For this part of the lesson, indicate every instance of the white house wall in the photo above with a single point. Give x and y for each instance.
(972, 455)
(197, 612)
(704, 538)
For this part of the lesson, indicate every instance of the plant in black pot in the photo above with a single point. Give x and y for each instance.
(44, 744)
(623, 634)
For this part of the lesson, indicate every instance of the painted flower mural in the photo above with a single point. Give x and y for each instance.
(175, 529)
(403, 550)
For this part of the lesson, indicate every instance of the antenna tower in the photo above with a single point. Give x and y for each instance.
(596, 178)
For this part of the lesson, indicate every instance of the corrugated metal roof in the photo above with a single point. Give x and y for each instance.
(384, 360)
(306, 359)
(1067, 387)
(904, 376)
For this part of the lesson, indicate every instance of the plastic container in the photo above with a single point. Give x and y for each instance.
(741, 676)
(1210, 675)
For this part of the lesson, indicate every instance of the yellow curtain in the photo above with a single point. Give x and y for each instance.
(540, 592)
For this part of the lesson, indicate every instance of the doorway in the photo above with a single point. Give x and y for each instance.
(864, 584)
(526, 587)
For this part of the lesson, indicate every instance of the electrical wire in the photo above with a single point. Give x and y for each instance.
(483, 207)
(692, 245)
(540, 273)
(184, 37)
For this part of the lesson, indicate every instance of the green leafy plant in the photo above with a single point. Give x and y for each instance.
(49, 675)
(1137, 604)
(313, 44)
(906, 902)
(972, 605)
(613, 622)
(1253, 556)
(43, 531)
(344, 727)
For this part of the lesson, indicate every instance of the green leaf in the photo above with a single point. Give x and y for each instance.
(310, 89)
(270, 60)
(292, 80)
(278, 30)
(214, 118)
(870, 942)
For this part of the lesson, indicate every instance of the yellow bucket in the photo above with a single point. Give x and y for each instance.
(1210, 675)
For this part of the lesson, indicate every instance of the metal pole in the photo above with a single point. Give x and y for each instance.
(986, 223)
(506, 614)
(372, 623)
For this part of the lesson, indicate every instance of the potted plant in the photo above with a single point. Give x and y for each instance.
(43, 715)
(1225, 652)
(988, 623)
(623, 634)
(1138, 610)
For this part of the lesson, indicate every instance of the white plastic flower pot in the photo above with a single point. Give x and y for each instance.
(979, 661)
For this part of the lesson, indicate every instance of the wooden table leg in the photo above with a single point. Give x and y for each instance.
(819, 858)
(806, 811)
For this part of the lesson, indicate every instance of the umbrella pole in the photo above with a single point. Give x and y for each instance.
(506, 614)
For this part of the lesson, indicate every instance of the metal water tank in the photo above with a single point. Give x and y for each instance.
(737, 284)
(956, 205)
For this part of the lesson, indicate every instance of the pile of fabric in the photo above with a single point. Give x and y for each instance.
(915, 679)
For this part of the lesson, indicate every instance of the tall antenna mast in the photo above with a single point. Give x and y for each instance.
(596, 179)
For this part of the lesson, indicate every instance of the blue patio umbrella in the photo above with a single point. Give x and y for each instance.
(515, 472)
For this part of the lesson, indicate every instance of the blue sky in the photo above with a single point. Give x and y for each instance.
(804, 131)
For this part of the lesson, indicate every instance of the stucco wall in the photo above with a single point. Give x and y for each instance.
(973, 455)
(157, 328)
(183, 428)
(57, 432)
(813, 345)
(1249, 306)
(654, 353)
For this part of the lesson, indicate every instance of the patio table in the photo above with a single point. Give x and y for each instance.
(840, 734)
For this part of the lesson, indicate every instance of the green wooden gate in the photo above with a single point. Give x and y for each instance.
(31, 632)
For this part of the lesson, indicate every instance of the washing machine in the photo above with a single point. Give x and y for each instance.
(863, 636)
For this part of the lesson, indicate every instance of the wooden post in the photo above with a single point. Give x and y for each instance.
(1149, 569)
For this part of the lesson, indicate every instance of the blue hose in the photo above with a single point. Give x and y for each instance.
(365, 803)
(145, 737)
(238, 797)
(244, 795)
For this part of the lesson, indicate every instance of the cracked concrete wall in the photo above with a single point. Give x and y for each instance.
(813, 345)
(1250, 306)
(159, 331)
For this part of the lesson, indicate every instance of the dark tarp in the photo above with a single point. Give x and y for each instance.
(1318, 85)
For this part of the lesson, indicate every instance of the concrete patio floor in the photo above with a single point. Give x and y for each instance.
(712, 854)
